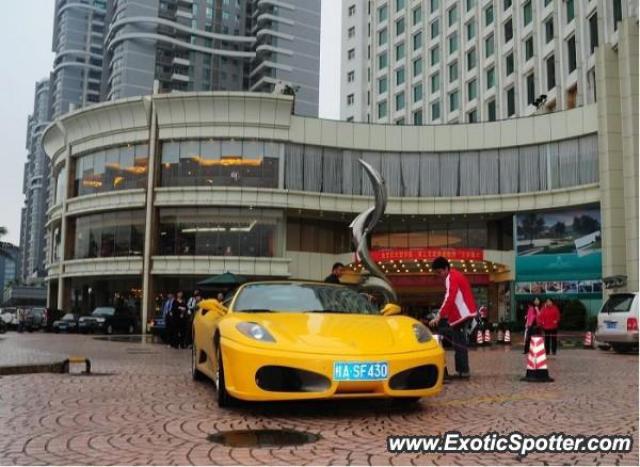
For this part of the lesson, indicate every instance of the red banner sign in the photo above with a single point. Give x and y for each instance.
(388, 254)
(430, 280)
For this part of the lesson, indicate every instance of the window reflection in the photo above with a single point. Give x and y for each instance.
(60, 185)
(107, 235)
(220, 163)
(218, 232)
(118, 168)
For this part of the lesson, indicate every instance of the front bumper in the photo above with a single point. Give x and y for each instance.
(91, 326)
(617, 337)
(241, 365)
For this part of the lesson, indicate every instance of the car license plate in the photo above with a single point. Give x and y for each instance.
(611, 324)
(360, 371)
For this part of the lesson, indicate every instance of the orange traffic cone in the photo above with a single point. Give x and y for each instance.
(507, 337)
(487, 337)
(500, 336)
(479, 340)
(588, 340)
(537, 371)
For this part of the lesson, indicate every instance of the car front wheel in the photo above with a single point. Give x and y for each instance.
(224, 398)
(195, 373)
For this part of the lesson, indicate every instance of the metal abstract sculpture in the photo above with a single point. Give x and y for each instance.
(374, 280)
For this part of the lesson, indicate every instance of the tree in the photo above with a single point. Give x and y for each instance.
(532, 225)
(3, 231)
(585, 224)
(559, 229)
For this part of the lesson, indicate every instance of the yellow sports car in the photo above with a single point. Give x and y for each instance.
(307, 340)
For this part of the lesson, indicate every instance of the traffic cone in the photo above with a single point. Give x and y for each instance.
(588, 340)
(479, 340)
(487, 337)
(500, 336)
(507, 337)
(537, 371)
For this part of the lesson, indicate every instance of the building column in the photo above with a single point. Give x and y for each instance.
(611, 170)
(148, 292)
(628, 63)
(63, 298)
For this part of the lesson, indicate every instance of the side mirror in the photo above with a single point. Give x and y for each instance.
(390, 309)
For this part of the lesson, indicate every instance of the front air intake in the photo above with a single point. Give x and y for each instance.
(285, 379)
(420, 377)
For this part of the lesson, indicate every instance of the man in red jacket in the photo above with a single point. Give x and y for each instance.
(550, 320)
(458, 308)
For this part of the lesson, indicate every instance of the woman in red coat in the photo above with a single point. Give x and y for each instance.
(549, 320)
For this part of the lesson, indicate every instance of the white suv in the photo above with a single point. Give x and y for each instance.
(618, 321)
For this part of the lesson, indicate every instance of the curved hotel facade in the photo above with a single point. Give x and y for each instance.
(154, 194)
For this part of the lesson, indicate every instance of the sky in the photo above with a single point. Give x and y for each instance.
(25, 45)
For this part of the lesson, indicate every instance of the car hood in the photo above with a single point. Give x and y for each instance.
(331, 334)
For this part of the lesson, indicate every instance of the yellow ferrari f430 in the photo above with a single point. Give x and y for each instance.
(306, 340)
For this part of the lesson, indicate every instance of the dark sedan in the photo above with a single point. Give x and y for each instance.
(68, 323)
(109, 320)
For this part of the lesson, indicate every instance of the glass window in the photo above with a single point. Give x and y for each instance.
(382, 60)
(435, 55)
(435, 4)
(570, 10)
(617, 13)
(382, 37)
(453, 72)
(551, 72)
(417, 92)
(471, 59)
(350, 99)
(417, 41)
(491, 110)
(107, 235)
(352, 10)
(571, 52)
(417, 67)
(417, 15)
(488, 15)
(435, 29)
(509, 64)
(400, 51)
(382, 85)
(511, 102)
(507, 4)
(435, 82)
(453, 101)
(488, 46)
(417, 117)
(527, 13)
(593, 32)
(351, 32)
(400, 101)
(382, 109)
(508, 30)
(491, 77)
(470, 4)
(453, 15)
(548, 30)
(435, 110)
(383, 13)
(400, 26)
(472, 89)
(528, 48)
(531, 89)
(400, 76)
(472, 117)
(453, 43)
(400, 4)
(471, 30)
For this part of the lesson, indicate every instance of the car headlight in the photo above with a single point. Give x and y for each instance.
(100, 320)
(422, 333)
(255, 331)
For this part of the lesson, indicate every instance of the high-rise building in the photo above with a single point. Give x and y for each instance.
(78, 36)
(35, 187)
(444, 61)
(202, 45)
(9, 264)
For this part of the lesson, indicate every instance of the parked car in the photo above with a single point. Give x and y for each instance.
(618, 322)
(53, 315)
(68, 323)
(9, 317)
(35, 319)
(109, 320)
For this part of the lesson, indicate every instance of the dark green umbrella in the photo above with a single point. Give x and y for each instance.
(226, 279)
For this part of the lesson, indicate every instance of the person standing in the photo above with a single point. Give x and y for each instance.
(166, 312)
(550, 320)
(336, 272)
(531, 323)
(179, 313)
(458, 308)
(192, 307)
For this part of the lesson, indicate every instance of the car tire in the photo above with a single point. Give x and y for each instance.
(109, 329)
(224, 398)
(196, 374)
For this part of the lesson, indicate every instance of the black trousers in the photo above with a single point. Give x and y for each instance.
(529, 331)
(460, 346)
(551, 341)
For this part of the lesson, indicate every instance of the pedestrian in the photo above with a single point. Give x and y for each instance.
(458, 308)
(179, 313)
(220, 297)
(531, 323)
(550, 320)
(192, 307)
(336, 271)
(168, 328)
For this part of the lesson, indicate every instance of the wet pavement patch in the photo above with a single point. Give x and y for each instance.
(262, 438)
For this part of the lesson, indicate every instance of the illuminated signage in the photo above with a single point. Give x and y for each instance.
(388, 254)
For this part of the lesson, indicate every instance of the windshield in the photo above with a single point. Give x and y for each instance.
(68, 317)
(618, 303)
(302, 298)
(103, 311)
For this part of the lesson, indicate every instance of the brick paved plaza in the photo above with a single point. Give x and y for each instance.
(142, 407)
